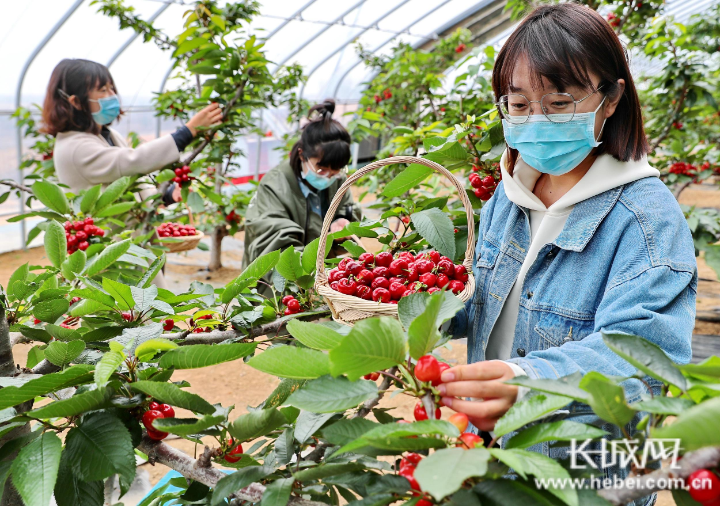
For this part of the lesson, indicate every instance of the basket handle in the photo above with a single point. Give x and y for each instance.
(469, 250)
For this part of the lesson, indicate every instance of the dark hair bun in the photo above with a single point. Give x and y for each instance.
(324, 110)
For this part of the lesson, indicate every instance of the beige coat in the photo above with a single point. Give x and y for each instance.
(83, 159)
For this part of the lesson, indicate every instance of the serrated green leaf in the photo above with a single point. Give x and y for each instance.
(50, 310)
(414, 305)
(112, 192)
(72, 491)
(75, 375)
(277, 493)
(313, 335)
(61, 353)
(437, 229)
(20, 274)
(121, 294)
(107, 257)
(62, 333)
(528, 410)
(203, 355)
(75, 405)
(310, 253)
(89, 198)
(695, 427)
(55, 243)
(291, 362)
(278, 396)
(372, 345)
(100, 447)
(188, 426)
(408, 179)
(329, 395)
(34, 470)
(289, 265)
(664, 405)
(256, 423)
(607, 399)
(73, 264)
(115, 209)
(443, 472)
(567, 386)
(383, 435)
(346, 430)
(554, 431)
(423, 331)
(52, 196)
(240, 479)
(147, 350)
(108, 364)
(169, 393)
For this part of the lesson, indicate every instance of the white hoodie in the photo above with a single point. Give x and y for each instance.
(546, 223)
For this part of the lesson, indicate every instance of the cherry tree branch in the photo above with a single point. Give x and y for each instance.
(159, 452)
(705, 458)
(16, 186)
(673, 119)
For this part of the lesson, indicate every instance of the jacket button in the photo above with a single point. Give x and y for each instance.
(529, 295)
(521, 352)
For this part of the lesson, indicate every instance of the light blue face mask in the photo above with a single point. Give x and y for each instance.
(109, 110)
(316, 180)
(554, 148)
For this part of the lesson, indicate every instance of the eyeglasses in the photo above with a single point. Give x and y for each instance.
(328, 173)
(557, 107)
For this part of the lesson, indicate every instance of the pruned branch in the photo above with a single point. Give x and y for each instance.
(158, 451)
(369, 404)
(705, 458)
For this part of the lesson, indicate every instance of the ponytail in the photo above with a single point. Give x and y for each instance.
(323, 137)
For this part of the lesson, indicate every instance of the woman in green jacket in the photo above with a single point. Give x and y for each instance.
(293, 198)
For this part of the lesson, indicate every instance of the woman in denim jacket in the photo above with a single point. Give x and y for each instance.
(581, 236)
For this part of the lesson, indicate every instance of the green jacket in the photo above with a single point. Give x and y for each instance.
(279, 215)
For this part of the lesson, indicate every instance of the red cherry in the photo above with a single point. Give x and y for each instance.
(446, 267)
(443, 367)
(89, 221)
(380, 282)
(178, 171)
(84, 245)
(288, 311)
(397, 290)
(413, 458)
(381, 295)
(407, 292)
(154, 406)
(381, 272)
(127, 316)
(468, 441)
(365, 277)
(150, 416)
(461, 273)
(459, 420)
(347, 286)
(36, 321)
(420, 413)
(434, 256)
(398, 267)
(427, 368)
(231, 455)
(423, 502)
(383, 259)
(68, 226)
(334, 286)
(424, 266)
(428, 279)
(412, 274)
(476, 183)
(78, 225)
(433, 289)
(408, 474)
(168, 325)
(167, 411)
(81, 235)
(293, 304)
(354, 267)
(488, 182)
(456, 286)
(476, 168)
(442, 281)
(364, 292)
(342, 266)
(368, 259)
(156, 434)
(100, 232)
(288, 298)
(704, 486)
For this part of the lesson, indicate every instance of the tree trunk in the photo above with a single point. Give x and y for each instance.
(10, 496)
(216, 247)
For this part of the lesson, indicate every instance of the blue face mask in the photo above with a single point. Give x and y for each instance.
(314, 179)
(553, 148)
(109, 110)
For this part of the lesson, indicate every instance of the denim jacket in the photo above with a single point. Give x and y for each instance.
(624, 262)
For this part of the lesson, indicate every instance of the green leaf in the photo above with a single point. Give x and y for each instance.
(108, 256)
(277, 493)
(313, 335)
(112, 192)
(74, 264)
(437, 229)
(34, 470)
(423, 331)
(607, 399)
(147, 350)
(20, 274)
(55, 243)
(75, 405)
(100, 447)
(329, 395)
(120, 293)
(554, 431)
(326, 470)
(443, 472)
(203, 355)
(310, 253)
(414, 305)
(383, 435)
(89, 306)
(289, 265)
(308, 423)
(76, 375)
(281, 393)
(188, 426)
(52, 196)
(61, 353)
(353, 248)
(291, 362)
(89, 198)
(696, 427)
(94, 294)
(372, 345)
(646, 356)
(664, 405)
(35, 356)
(408, 179)
(568, 386)
(108, 364)
(151, 272)
(503, 492)
(170, 393)
(346, 430)
(116, 209)
(50, 310)
(257, 423)
(61, 333)
(240, 479)
(524, 463)
(528, 410)
(260, 266)
(72, 491)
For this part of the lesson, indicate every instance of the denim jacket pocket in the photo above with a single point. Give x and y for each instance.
(483, 270)
(555, 330)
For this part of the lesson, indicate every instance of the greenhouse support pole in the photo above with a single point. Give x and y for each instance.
(162, 88)
(136, 35)
(387, 41)
(290, 18)
(18, 102)
(345, 44)
(259, 147)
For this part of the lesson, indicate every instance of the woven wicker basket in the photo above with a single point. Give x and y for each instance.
(348, 309)
(178, 244)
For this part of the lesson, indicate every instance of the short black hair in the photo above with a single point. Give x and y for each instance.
(563, 43)
(323, 137)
